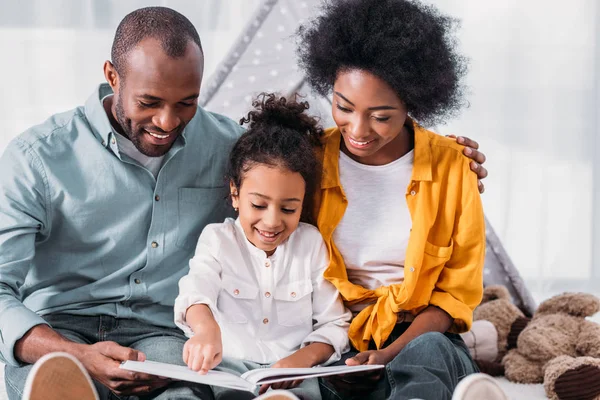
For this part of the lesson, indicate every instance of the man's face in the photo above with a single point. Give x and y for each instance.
(157, 96)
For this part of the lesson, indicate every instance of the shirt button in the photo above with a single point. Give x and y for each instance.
(412, 269)
(267, 294)
(137, 281)
(157, 197)
(154, 244)
(268, 263)
(412, 193)
(293, 294)
(236, 292)
(113, 141)
(266, 321)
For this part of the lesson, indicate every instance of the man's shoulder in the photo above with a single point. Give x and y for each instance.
(63, 126)
(220, 126)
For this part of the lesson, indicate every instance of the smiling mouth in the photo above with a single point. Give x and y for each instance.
(268, 236)
(357, 143)
(156, 135)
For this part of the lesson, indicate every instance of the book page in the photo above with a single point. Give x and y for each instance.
(182, 373)
(272, 375)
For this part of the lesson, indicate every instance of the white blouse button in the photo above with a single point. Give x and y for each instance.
(236, 292)
(293, 294)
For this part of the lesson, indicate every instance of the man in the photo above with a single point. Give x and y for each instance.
(101, 208)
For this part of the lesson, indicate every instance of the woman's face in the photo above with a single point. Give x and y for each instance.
(371, 118)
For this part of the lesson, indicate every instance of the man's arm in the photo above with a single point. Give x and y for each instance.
(471, 151)
(24, 335)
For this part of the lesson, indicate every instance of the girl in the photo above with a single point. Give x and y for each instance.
(398, 206)
(255, 293)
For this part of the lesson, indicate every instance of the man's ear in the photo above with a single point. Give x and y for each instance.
(235, 195)
(111, 75)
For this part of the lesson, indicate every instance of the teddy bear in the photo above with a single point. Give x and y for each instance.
(557, 346)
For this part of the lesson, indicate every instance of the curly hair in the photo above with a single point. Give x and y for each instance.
(407, 44)
(280, 134)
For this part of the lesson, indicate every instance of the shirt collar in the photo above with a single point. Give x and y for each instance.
(253, 250)
(331, 155)
(96, 115)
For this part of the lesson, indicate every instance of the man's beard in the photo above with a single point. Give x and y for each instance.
(136, 135)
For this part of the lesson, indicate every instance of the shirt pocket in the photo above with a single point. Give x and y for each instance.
(434, 259)
(196, 208)
(436, 255)
(293, 302)
(236, 300)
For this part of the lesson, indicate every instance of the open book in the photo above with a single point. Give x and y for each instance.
(248, 381)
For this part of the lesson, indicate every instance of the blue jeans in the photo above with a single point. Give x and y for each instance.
(428, 368)
(158, 344)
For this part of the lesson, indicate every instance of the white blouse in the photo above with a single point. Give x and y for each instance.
(266, 307)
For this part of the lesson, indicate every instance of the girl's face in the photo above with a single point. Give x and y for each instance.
(371, 118)
(269, 203)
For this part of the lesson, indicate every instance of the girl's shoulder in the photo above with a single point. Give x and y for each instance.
(218, 232)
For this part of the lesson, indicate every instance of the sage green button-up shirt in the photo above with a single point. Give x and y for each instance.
(87, 230)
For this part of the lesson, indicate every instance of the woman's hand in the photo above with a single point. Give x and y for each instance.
(370, 357)
(361, 382)
(204, 350)
(471, 150)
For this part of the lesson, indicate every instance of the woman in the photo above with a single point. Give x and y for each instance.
(399, 207)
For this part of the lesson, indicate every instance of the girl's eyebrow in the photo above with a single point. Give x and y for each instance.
(268, 198)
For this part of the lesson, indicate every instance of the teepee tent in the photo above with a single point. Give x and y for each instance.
(263, 59)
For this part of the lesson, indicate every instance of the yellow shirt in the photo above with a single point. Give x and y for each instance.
(446, 249)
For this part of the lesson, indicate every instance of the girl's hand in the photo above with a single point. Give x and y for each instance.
(204, 350)
(295, 360)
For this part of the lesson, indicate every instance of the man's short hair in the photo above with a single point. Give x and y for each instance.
(173, 30)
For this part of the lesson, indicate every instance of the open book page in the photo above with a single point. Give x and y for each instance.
(271, 375)
(182, 373)
(248, 381)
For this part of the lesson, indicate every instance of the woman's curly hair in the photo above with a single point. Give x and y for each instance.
(280, 134)
(407, 44)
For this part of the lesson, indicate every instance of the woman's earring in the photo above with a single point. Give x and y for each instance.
(235, 209)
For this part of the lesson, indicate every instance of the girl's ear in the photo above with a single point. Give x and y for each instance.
(235, 196)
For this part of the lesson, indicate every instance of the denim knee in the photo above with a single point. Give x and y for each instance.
(430, 342)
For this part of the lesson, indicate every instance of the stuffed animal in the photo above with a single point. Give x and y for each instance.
(557, 347)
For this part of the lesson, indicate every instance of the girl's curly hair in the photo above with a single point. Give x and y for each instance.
(280, 134)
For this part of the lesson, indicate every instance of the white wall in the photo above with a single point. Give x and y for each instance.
(52, 51)
(534, 100)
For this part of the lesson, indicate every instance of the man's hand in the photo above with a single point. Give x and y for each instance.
(204, 350)
(471, 150)
(102, 361)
